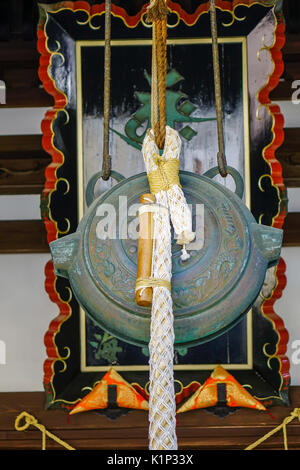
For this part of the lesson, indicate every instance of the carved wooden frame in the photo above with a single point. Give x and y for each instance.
(64, 380)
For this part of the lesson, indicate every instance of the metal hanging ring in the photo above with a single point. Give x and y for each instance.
(90, 189)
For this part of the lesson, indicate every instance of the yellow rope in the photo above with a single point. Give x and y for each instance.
(294, 414)
(166, 175)
(151, 282)
(32, 421)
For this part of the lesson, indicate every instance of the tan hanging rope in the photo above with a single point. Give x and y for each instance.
(32, 421)
(106, 162)
(221, 157)
(157, 15)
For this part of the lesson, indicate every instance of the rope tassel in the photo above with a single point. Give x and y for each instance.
(165, 185)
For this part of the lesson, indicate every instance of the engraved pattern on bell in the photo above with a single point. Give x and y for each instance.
(204, 278)
(211, 291)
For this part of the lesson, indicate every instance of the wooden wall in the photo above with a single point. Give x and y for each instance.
(198, 430)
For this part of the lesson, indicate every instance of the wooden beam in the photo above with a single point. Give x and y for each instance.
(291, 229)
(283, 91)
(23, 97)
(292, 69)
(19, 62)
(22, 164)
(292, 45)
(23, 236)
(291, 59)
(21, 145)
(289, 157)
(196, 430)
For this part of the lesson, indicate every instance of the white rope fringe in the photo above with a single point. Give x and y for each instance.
(162, 406)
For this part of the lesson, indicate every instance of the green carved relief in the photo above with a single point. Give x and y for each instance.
(178, 110)
(106, 347)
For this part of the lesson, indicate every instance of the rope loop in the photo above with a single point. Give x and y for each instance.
(29, 421)
(32, 421)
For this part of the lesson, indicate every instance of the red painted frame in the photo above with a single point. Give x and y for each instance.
(60, 102)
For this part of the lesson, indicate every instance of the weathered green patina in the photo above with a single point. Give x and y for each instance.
(211, 291)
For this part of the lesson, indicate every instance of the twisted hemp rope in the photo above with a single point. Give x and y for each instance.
(106, 162)
(157, 15)
(32, 421)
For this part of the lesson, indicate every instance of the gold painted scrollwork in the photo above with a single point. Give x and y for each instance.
(263, 48)
(64, 359)
(177, 21)
(170, 26)
(259, 107)
(64, 232)
(66, 183)
(144, 23)
(89, 20)
(58, 54)
(69, 290)
(262, 190)
(58, 44)
(234, 18)
(269, 356)
(67, 115)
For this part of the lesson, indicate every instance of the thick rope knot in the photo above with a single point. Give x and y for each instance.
(29, 421)
(163, 175)
(166, 176)
(32, 421)
(156, 10)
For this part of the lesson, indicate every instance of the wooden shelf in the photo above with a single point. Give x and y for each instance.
(197, 429)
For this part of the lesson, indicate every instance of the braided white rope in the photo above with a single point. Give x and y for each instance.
(162, 407)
